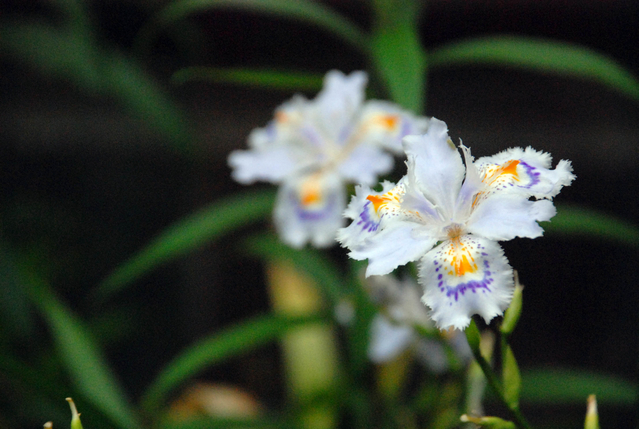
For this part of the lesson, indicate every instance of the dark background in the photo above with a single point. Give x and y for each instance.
(83, 184)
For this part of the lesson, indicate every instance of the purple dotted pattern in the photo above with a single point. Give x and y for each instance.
(472, 285)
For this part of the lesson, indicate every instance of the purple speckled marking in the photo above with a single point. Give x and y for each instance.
(369, 225)
(532, 173)
(472, 285)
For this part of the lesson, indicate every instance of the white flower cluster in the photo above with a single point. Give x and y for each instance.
(314, 147)
(448, 212)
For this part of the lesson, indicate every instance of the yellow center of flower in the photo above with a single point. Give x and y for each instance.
(388, 121)
(508, 168)
(461, 260)
(381, 201)
(311, 191)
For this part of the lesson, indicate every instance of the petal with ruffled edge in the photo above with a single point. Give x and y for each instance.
(367, 215)
(437, 166)
(271, 165)
(309, 208)
(504, 217)
(338, 102)
(524, 171)
(384, 124)
(365, 164)
(463, 276)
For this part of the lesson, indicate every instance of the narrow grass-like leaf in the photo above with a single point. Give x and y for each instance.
(125, 80)
(52, 51)
(303, 10)
(581, 221)
(271, 79)
(81, 355)
(560, 386)
(246, 336)
(310, 261)
(98, 72)
(397, 52)
(541, 55)
(188, 234)
(359, 331)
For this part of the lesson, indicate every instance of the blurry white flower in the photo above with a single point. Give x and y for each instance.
(450, 217)
(394, 330)
(313, 147)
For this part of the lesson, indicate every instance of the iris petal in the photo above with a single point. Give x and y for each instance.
(466, 276)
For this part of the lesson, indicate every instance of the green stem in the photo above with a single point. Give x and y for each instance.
(491, 377)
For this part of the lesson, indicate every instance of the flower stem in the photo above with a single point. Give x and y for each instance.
(472, 334)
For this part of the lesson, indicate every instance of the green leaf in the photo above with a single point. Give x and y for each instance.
(359, 330)
(188, 234)
(489, 422)
(52, 51)
(302, 10)
(272, 79)
(125, 80)
(558, 386)
(233, 341)
(397, 53)
(81, 355)
(15, 308)
(511, 377)
(98, 72)
(539, 55)
(309, 260)
(473, 337)
(219, 423)
(581, 221)
(513, 312)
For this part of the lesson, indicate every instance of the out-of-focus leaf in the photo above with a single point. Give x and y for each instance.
(359, 330)
(188, 234)
(582, 221)
(125, 80)
(558, 386)
(310, 261)
(15, 310)
(81, 355)
(397, 52)
(273, 79)
(513, 312)
(303, 10)
(246, 336)
(211, 423)
(97, 71)
(52, 51)
(538, 55)
(33, 386)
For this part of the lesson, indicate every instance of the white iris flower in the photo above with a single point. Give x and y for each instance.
(313, 147)
(449, 216)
